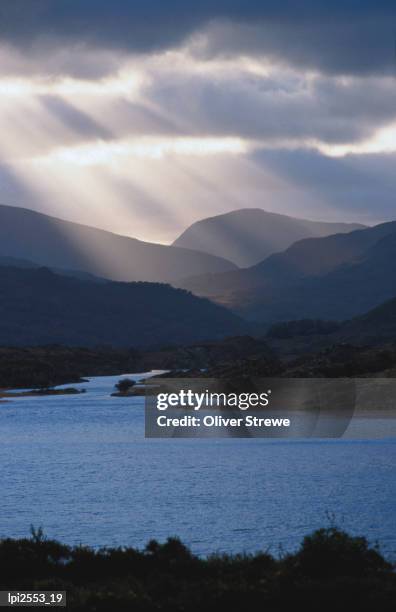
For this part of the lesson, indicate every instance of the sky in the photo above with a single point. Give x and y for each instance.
(142, 117)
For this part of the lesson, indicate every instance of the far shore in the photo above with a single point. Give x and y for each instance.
(5, 394)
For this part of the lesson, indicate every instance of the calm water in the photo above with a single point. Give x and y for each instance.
(81, 468)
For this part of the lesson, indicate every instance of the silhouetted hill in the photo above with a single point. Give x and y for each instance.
(39, 307)
(378, 325)
(375, 330)
(336, 277)
(350, 290)
(47, 241)
(249, 235)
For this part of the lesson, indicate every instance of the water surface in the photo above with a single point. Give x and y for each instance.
(80, 467)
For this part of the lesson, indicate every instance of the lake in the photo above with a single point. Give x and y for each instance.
(80, 467)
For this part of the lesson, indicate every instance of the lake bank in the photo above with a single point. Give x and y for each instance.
(12, 394)
(243, 357)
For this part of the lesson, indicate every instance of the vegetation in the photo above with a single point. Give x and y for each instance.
(43, 392)
(344, 360)
(125, 385)
(38, 307)
(330, 571)
(303, 327)
(48, 366)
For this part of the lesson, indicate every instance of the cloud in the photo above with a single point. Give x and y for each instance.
(231, 100)
(355, 187)
(73, 119)
(56, 58)
(281, 106)
(347, 38)
(154, 114)
(344, 36)
(176, 94)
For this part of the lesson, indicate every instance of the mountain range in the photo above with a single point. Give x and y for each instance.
(55, 283)
(248, 236)
(335, 277)
(48, 241)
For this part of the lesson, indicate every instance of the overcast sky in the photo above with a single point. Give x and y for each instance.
(142, 117)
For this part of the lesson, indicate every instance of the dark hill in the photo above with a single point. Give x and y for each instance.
(378, 325)
(348, 291)
(39, 307)
(24, 263)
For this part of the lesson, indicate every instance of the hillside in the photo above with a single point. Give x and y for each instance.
(336, 277)
(347, 291)
(39, 307)
(379, 324)
(47, 241)
(24, 263)
(248, 236)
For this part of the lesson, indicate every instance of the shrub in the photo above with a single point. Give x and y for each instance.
(124, 385)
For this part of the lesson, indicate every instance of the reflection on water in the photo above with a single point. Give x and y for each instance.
(80, 467)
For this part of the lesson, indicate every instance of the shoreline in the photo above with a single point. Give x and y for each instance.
(4, 395)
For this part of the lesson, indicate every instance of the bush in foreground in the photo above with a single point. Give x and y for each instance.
(330, 571)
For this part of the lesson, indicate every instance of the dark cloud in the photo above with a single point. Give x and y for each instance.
(275, 108)
(346, 36)
(359, 187)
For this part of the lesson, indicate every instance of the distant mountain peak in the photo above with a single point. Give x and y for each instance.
(246, 236)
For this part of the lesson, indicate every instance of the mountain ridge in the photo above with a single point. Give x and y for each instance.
(57, 243)
(247, 236)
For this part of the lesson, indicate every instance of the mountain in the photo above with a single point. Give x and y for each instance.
(336, 277)
(47, 241)
(15, 262)
(39, 307)
(374, 327)
(349, 290)
(248, 236)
